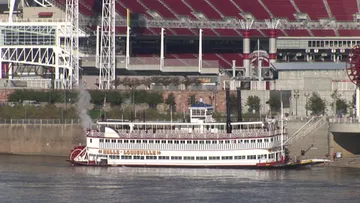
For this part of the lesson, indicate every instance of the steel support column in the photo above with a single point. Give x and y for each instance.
(71, 76)
(107, 45)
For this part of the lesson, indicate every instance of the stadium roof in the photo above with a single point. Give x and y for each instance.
(310, 66)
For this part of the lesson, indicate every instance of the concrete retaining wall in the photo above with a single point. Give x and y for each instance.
(56, 140)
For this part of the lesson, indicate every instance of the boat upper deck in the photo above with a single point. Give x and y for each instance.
(129, 130)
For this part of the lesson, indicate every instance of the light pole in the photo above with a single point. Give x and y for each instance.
(307, 94)
(296, 97)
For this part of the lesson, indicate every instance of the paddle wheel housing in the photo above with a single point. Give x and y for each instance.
(78, 151)
(353, 65)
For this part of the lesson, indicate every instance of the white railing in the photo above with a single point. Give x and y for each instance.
(41, 121)
(197, 135)
(189, 147)
(306, 129)
(344, 120)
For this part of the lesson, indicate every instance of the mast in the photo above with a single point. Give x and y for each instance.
(282, 128)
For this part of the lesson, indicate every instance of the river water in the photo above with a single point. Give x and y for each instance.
(51, 179)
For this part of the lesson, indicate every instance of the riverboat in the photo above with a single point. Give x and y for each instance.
(201, 142)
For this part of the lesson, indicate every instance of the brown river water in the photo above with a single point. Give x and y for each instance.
(51, 179)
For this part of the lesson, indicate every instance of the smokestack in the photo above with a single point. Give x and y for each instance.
(228, 111)
(239, 104)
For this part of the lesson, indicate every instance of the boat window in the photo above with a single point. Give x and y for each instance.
(164, 157)
(157, 141)
(151, 157)
(239, 157)
(90, 140)
(138, 141)
(126, 157)
(208, 142)
(214, 158)
(132, 141)
(188, 142)
(266, 140)
(221, 141)
(176, 142)
(253, 141)
(101, 140)
(259, 140)
(170, 141)
(119, 141)
(126, 141)
(240, 141)
(182, 141)
(144, 141)
(151, 141)
(201, 142)
(107, 140)
(189, 158)
(113, 141)
(163, 141)
(246, 141)
(272, 139)
(227, 141)
(251, 156)
(138, 157)
(226, 158)
(176, 158)
(214, 142)
(201, 158)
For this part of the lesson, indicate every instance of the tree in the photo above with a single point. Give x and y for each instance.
(316, 104)
(147, 82)
(341, 106)
(253, 102)
(170, 100)
(274, 103)
(153, 99)
(186, 81)
(192, 99)
(117, 82)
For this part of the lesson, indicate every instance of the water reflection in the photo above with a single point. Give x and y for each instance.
(51, 179)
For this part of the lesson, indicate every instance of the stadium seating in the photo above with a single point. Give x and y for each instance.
(343, 10)
(253, 7)
(135, 7)
(159, 8)
(349, 33)
(204, 8)
(314, 8)
(226, 32)
(281, 8)
(323, 33)
(298, 33)
(226, 8)
(179, 8)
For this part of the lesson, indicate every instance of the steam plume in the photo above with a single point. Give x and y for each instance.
(82, 105)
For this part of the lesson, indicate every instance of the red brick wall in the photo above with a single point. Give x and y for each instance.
(182, 97)
(4, 94)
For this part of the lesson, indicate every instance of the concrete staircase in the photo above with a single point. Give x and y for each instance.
(311, 137)
(309, 127)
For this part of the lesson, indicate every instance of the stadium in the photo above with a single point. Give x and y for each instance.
(263, 45)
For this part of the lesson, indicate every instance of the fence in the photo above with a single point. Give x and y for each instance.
(42, 121)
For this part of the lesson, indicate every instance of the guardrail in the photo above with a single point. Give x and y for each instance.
(41, 121)
(344, 120)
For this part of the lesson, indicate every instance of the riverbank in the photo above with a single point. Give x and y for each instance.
(351, 162)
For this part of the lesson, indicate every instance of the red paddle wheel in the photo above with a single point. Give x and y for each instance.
(75, 152)
(353, 65)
